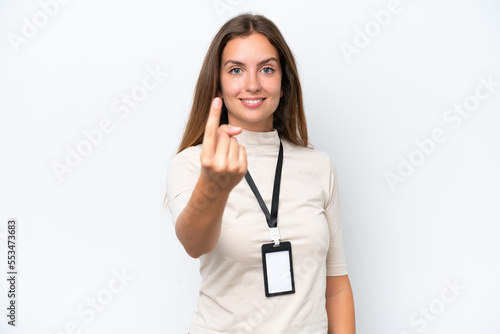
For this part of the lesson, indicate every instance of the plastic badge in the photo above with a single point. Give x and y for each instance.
(278, 269)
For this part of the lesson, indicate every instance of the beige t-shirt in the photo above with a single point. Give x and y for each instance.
(232, 297)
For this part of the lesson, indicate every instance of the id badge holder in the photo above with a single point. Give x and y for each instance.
(278, 269)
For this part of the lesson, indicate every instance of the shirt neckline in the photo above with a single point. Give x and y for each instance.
(257, 141)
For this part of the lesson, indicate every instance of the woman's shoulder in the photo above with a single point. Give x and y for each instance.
(189, 157)
(310, 152)
(190, 152)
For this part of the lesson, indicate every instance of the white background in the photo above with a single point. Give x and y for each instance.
(404, 246)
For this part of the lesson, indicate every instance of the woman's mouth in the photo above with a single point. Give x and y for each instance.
(252, 102)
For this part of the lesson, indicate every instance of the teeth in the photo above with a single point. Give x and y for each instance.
(252, 101)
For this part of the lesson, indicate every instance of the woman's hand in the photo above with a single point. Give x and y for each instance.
(223, 165)
(223, 160)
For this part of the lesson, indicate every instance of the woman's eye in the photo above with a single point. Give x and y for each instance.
(235, 70)
(268, 70)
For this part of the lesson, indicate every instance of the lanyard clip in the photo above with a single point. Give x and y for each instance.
(275, 235)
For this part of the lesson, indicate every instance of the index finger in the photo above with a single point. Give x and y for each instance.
(211, 127)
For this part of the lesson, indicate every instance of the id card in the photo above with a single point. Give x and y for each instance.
(278, 269)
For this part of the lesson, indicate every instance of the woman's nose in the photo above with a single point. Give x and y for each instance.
(252, 83)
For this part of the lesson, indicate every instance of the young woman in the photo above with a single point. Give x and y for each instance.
(244, 152)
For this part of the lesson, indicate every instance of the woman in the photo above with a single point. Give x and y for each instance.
(247, 120)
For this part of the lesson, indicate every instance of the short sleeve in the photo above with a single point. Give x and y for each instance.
(335, 259)
(183, 173)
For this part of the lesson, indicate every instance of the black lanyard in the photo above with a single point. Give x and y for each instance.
(272, 219)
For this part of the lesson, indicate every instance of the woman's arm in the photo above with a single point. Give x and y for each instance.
(340, 305)
(223, 165)
(198, 225)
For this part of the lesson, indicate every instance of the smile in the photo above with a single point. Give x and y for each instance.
(252, 103)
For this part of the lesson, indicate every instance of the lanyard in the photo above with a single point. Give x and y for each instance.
(272, 218)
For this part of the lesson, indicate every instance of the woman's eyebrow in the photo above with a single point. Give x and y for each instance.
(262, 62)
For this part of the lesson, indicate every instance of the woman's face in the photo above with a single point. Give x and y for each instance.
(251, 82)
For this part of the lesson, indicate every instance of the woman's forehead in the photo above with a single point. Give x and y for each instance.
(253, 48)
